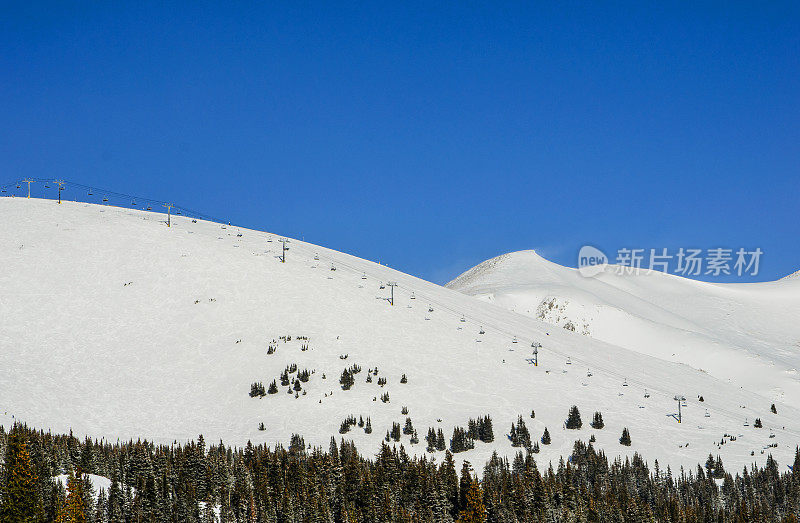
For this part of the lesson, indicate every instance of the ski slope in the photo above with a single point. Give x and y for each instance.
(746, 334)
(113, 325)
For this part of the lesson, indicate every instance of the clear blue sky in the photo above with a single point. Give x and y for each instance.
(427, 137)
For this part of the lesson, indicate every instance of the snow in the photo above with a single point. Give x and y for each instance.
(117, 327)
(98, 482)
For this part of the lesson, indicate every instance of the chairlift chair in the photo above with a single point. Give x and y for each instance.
(625, 382)
(316, 256)
(363, 276)
(413, 297)
(514, 340)
(149, 208)
(463, 319)
(707, 414)
(482, 331)
(430, 309)
(382, 286)
(588, 373)
(105, 199)
(333, 267)
(569, 360)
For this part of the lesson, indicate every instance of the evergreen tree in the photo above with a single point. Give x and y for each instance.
(757, 423)
(21, 501)
(625, 439)
(597, 421)
(545, 437)
(474, 510)
(574, 418)
(75, 508)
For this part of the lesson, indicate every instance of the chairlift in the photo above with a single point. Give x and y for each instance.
(707, 415)
(18, 186)
(588, 373)
(149, 208)
(413, 297)
(46, 186)
(745, 423)
(133, 202)
(646, 394)
(430, 309)
(239, 235)
(569, 360)
(363, 275)
(194, 221)
(514, 340)
(463, 319)
(482, 331)
(178, 213)
(316, 256)
(89, 193)
(105, 199)
(625, 382)
(382, 286)
(333, 267)
(4, 190)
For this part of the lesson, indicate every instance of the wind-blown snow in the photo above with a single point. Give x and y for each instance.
(115, 326)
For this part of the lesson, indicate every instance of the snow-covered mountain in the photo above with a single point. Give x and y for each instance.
(747, 334)
(114, 325)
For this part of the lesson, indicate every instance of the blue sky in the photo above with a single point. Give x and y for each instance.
(429, 137)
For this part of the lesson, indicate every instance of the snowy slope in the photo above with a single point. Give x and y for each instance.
(115, 326)
(744, 333)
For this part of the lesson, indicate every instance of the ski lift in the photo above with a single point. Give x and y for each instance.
(18, 186)
(46, 186)
(707, 415)
(463, 319)
(569, 361)
(89, 193)
(4, 189)
(270, 241)
(646, 394)
(178, 213)
(239, 235)
(625, 382)
(133, 202)
(333, 267)
(105, 199)
(745, 423)
(382, 286)
(482, 331)
(363, 275)
(413, 297)
(316, 256)
(149, 208)
(430, 309)
(588, 373)
(514, 340)
(194, 221)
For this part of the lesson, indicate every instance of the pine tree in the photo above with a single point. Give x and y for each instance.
(757, 423)
(21, 501)
(440, 442)
(273, 388)
(75, 508)
(546, 437)
(597, 421)
(625, 439)
(574, 418)
(773, 409)
(474, 510)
